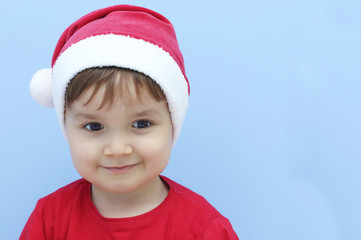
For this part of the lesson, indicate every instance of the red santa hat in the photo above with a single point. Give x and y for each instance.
(125, 36)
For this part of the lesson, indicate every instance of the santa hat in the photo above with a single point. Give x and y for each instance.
(125, 36)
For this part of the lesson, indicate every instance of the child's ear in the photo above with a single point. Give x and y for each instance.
(40, 88)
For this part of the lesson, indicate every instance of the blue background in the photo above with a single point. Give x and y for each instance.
(272, 136)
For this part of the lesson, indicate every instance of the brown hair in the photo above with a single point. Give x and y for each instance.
(117, 81)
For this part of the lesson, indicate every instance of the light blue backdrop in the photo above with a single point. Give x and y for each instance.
(272, 136)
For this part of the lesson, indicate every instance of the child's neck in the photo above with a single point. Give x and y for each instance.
(112, 205)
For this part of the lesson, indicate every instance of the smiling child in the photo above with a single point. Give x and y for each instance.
(120, 91)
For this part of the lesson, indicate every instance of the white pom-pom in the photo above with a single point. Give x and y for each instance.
(40, 88)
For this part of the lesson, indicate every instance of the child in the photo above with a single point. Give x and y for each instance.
(120, 92)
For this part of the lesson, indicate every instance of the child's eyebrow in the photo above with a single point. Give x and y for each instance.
(85, 115)
(147, 112)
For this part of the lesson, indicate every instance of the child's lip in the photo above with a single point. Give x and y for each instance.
(120, 169)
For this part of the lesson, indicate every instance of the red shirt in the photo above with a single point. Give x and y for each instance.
(69, 213)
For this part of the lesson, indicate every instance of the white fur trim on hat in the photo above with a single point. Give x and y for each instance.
(40, 87)
(125, 52)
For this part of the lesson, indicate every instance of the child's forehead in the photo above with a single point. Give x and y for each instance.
(128, 97)
(105, 86)
(118, 110)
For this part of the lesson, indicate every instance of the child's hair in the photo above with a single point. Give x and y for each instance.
(118, 83)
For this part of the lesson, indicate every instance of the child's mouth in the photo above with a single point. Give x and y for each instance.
(120, 170)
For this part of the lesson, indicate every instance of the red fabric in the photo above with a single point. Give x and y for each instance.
(137, 22)
(70, 214)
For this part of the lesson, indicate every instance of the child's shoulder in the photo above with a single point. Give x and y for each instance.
(192, 213)
(78, 187)
(188, 199)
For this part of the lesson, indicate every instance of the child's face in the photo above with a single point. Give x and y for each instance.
(121, 149)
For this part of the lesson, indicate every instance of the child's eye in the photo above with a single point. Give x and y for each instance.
(94, 127)
(141, 124)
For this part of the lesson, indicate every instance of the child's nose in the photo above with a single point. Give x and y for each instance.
(117, 147)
